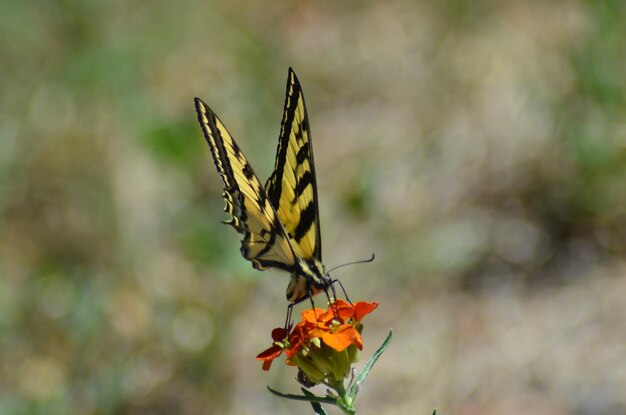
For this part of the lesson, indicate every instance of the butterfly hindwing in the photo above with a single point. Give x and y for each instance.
(265, 241)
(292, 188)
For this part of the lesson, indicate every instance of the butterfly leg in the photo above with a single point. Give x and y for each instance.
(345, 294)
(288, 321)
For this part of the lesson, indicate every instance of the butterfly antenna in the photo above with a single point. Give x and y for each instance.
(363, 261)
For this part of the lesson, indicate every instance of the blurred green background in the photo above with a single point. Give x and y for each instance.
(478, 148)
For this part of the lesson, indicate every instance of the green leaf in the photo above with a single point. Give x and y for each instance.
(368, 366)
(311, 398)
(317, 407)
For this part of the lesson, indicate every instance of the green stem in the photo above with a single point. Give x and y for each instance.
(344, 401)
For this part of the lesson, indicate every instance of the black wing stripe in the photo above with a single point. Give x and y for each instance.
(218, 150)
(307, 217)
(291, 103)
(303, 152)
(302, 183)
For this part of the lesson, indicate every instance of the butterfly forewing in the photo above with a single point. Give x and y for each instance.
(292, 188)
(280, 222)
(265, 241)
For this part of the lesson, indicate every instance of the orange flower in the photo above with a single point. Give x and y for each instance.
(324, 344)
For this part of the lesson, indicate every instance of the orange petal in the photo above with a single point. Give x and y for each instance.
(311, 315)
(341, 339)
(362, 309)
(269, 355)
(358, 340)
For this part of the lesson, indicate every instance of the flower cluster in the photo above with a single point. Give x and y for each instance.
(324, 345)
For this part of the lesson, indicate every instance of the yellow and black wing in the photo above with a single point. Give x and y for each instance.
(265, 242)
(292, 189)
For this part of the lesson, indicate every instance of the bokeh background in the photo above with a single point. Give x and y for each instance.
(478, 148)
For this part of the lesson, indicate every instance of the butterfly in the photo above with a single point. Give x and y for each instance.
(279, 221)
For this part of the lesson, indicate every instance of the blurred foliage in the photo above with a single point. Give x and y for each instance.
(471, 145)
